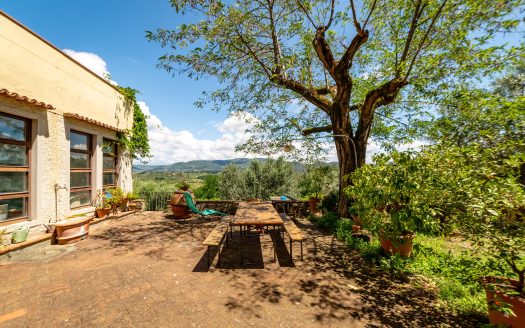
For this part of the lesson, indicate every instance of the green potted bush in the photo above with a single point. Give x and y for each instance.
(495, 224)
(118, 194)
(386, 200)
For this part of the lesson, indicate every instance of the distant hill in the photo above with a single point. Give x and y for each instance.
(194, 166)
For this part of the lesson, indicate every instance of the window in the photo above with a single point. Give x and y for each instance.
(15, 145)
(109, 165)
(80, 164)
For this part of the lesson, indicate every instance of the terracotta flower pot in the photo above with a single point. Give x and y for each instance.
(496, 297)
(102, 212)
(180, 211)
(177, 198)
(403, 246)
(71, 231)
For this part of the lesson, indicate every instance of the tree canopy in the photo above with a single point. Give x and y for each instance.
(351, 69)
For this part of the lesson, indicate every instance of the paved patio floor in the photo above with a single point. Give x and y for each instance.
(148, 270)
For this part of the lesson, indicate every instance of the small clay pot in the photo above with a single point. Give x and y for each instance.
(102, 212)
(403, 246)
(496, 297)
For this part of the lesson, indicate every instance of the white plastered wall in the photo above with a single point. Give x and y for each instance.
(50, 161)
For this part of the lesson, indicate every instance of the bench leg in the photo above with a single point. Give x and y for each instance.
(291, 257)
(219, 255)
(208, 256)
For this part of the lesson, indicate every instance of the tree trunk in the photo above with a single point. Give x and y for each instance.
(346, 155)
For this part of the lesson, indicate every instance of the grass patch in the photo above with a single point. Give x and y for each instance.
(444, 265)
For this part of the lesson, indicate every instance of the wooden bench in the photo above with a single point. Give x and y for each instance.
(216, 237)
(293, 232)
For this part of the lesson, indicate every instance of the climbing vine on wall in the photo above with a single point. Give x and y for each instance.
(135, 141)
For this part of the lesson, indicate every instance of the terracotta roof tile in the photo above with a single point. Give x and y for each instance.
(92, 121)
(16, 96)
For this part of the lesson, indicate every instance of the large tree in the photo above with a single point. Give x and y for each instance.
(334, 68)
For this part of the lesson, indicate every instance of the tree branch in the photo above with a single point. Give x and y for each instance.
(323, 51)
(420, 46)
(332, 7)
(306, 13)
(346, 60)
(253, 54)
(317, 129)
(275, 41)
(309, 94)
(413, 25)
(383, 95)
(354, 17)
(326, 90)
(369, 14)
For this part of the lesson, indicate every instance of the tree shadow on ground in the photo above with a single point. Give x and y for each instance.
(157, 238)
(339, 285)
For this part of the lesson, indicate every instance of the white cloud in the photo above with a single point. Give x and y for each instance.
(90, 60)
(169, 146)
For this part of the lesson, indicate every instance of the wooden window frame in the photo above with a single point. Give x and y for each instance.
(27, 168)
(115, 159)
(89, 170)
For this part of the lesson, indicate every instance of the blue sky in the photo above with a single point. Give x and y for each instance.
(109, 35)
(115, 31)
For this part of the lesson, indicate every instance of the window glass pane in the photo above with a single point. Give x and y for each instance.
(12, 155)
(80, 179)
(109, 162)
(13, 208)
(80, 198)
(78, 141)
(108, 147)
(12, 128)
(13, 182)
(79, 161)
(108, 179)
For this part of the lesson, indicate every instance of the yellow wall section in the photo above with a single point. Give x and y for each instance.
(33, 68)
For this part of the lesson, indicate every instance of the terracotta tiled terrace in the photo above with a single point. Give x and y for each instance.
(149, 270)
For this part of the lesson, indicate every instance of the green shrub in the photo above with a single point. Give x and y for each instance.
(329, 221)
(330, 202)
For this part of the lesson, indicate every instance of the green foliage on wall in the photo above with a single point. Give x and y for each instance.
(135, 141)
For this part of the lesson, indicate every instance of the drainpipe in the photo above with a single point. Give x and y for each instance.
(57, 187)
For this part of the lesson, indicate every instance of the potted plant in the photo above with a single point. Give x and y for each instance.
(117, 194)
(114, 202)
(498, 231)
(102, 208)
(72, 229)
(131, 199)
(385, 201)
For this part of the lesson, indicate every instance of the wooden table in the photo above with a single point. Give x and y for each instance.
(258, 214)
